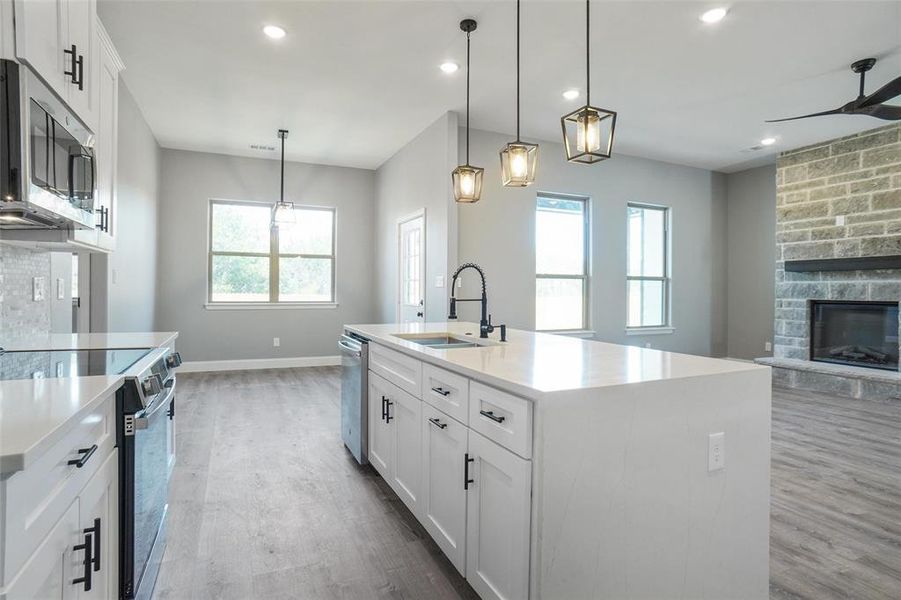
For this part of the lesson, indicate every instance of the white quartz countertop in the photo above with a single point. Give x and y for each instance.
(36, 413)
(94, 341)
(533, 364)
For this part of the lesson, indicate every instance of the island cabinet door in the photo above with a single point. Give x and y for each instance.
(381, 435)
(498, 516)
(98, 506)
(405, 416)
(444, 442)
(51, 571)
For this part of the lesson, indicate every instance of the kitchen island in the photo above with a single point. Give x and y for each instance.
(555, 467)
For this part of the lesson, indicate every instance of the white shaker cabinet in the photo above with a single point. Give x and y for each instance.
(443, 506)
(381, 438)
(98, 510)
(106, 140)
(56, 38)
(498, 517)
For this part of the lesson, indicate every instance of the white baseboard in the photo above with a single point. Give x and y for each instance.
(250, 364)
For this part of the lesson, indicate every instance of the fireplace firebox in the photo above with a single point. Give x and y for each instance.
(862, 334)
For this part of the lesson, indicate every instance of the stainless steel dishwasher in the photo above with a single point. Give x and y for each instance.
(355, 394)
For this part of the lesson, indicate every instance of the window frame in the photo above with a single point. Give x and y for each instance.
(274, 257)
(666, 279)
(585, 277)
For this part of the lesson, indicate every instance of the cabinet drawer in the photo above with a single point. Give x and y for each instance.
(37, 497)
(401, 370)
(446, 391)
(501, 417)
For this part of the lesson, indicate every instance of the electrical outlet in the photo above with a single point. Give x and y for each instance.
(276, 342)
(459, 282)
(716, 452)
(60, 288)
(37, 288)
(115, 275)
(647, 344)
(439, 281)
(768, 346)
(840, 221)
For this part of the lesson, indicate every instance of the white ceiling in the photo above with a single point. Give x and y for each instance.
(354, 81)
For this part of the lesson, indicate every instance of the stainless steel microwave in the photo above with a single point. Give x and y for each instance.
(47, 167)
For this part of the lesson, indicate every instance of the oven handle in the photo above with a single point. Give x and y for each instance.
(142, 421)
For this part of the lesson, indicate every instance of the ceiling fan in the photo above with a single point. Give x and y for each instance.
(871, 105)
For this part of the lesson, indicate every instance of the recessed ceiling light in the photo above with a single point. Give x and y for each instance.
(449, 67)
(274, 31)
(571, 94)
(714, 15)
(768, 141)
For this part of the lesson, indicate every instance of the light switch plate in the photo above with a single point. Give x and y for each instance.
(276, 342)
(60, 288)
(439, 281)
(768, 347)
(38, 285)
(716, 452)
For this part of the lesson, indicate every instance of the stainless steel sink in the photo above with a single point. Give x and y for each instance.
(439, 341)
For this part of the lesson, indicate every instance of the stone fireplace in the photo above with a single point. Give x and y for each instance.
(838, 238)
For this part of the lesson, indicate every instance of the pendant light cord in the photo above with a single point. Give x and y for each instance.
(587, 54)
(467, 98)
(517, 70)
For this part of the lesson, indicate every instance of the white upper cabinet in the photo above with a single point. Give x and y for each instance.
(57, 39)
(106, 139)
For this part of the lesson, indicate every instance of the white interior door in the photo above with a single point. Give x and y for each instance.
(411, 269)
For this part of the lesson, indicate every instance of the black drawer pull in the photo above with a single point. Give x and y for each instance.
(95, 532)
(88, 562)
(86, 453)
(441, 391)
(438, 423)
(466, 479)
(490, 414)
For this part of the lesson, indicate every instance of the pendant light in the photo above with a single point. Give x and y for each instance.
(519, 159)
(588, 131)
(466, 178)
(283, 212)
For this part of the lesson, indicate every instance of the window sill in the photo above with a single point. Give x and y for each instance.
(578, 333)
(268, 305)
(650, 330)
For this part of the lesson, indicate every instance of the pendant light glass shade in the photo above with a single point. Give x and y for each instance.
(466, 178)
(588, 131)
(467, 183)
(588, 134)
(519, 160)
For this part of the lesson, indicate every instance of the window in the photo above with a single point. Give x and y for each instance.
(249, 261)
(561, 263)
(647, 275)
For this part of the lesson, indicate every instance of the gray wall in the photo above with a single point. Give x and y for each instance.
(131, 271)
(188, 181)
(498, 233)
(418, 176)
(751, 240)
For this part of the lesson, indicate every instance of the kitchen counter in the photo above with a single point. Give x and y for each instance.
(35, 413)
(534, 364)
(94, 341)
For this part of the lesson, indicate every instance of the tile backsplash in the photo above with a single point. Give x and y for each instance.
(21, 316)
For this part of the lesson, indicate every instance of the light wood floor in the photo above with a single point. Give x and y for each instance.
(266, 503)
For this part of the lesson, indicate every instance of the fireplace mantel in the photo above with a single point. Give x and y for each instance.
(861, 263)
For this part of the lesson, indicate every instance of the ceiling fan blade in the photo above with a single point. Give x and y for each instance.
(886, 92)
(881, 111)
(834, 111)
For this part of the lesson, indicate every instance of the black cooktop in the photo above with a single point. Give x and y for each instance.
(37, 364)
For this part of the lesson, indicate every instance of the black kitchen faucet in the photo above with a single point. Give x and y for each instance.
(485, 326)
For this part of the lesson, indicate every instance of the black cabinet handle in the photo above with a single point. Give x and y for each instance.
(466, 479)
(73, 74)
(95, 533)
(171, 413)
(384, 409)
(490, 414)
(438, 423)
(388, 405)
(441, 391)
(80, 64)
(88, 562)
(86, 453)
